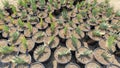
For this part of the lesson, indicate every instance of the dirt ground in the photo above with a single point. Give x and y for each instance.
(114, 3)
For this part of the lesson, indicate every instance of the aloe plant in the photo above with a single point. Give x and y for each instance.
(20, 23)
(64, 53)
(83, 13)
(18, 60)
(95, 11)
(92, 20)
(106, 56)
(51, 40)
(6, 49)
(103, 26)
(29, 26)
(110, 42)
(74, 41)
(24, 42)
(15, 36)
(52, 27)
(86, 53)
(78, 30)
(6, 28)
(64, 14)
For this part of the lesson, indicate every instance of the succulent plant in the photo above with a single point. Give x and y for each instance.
(42, 3)
(22, 3)
(62, 2)
(6, 3)
(24, 42)
(50, 1)
(74, 41)
(40, 35)
(41, 50)
(64, 14)
(41, 22)
(6, 49)
(78, 30)
(109, 11)
(97, 33)
(64, 53)
(52, 27)
(1, 14)
(92, 20)
(34, 7)
(18, 60)
(103, 26)
(118, 13)
(95, 11)
(55, 4)
(50, 16)
(65, 30)
(14, 10)
(6, 28)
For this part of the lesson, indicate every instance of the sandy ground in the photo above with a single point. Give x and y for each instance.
(114, 3)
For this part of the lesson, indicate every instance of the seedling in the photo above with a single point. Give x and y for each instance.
(6, 3)
(24, 14)
(78, 30)
(83, 13)
(18, 60)
(95, 11)
(71, 3)
(24, 42)
(40, 35)
(6, 29)
(62, 2)
(110, 42)
(13, 9)
(52, 27)
(29, 26)
(109, 11)
(86, 53)
(60, 22)
(64, 53)
(15, 36)
(118, 13)
(41, 22)
(51, 16)
(103, 26)
(22, 3)
(92, 20)
(42, 3)
(65, 30)
(49, 8)
(71, 23)
(78, 6)
(55, 5)
(64, 14)
(6, 49)
(51, 40)
(34, 7)
(20, 23)
(1, 14)
(115, 26)
(79, 17)
(41, 50)
(50, 1)
(97, 33)
(106, 56)
(74, 41)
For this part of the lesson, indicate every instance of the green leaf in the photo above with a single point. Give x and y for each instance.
(52, 27)
(6, 29)
(64, 53)
(41, 22)
(106, 56)
(51, 40)
(24, 42)
(20, 23)
(6, 3)
(13, 9)
(34, 7)
(74, 41)
(29, 26)
(97, 33)
(78, 31)
(65, 30)
(103, 26)
(64, 14)
(42, 3)
(41, 50)
(15, 36)
(87, 53)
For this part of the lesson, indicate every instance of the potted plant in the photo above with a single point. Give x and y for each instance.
(73, 43)
(42, 53)
(5, 31)
(72, 65)
(26, 45)
(84, 55)
(50, 18)
(103, 56)
(62, 55)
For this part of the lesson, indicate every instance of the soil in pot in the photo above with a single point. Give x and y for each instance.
(39, 37)
(73, 43)
(52, 41)
(72, 65)
(37, 65)
(93, 64)
(22, 66)
(42, 53)
(85, 27)
(84, 55)
(103, 56)
(3, 42)
(62, 55)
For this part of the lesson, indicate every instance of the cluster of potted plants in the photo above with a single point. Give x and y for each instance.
(36, 30)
